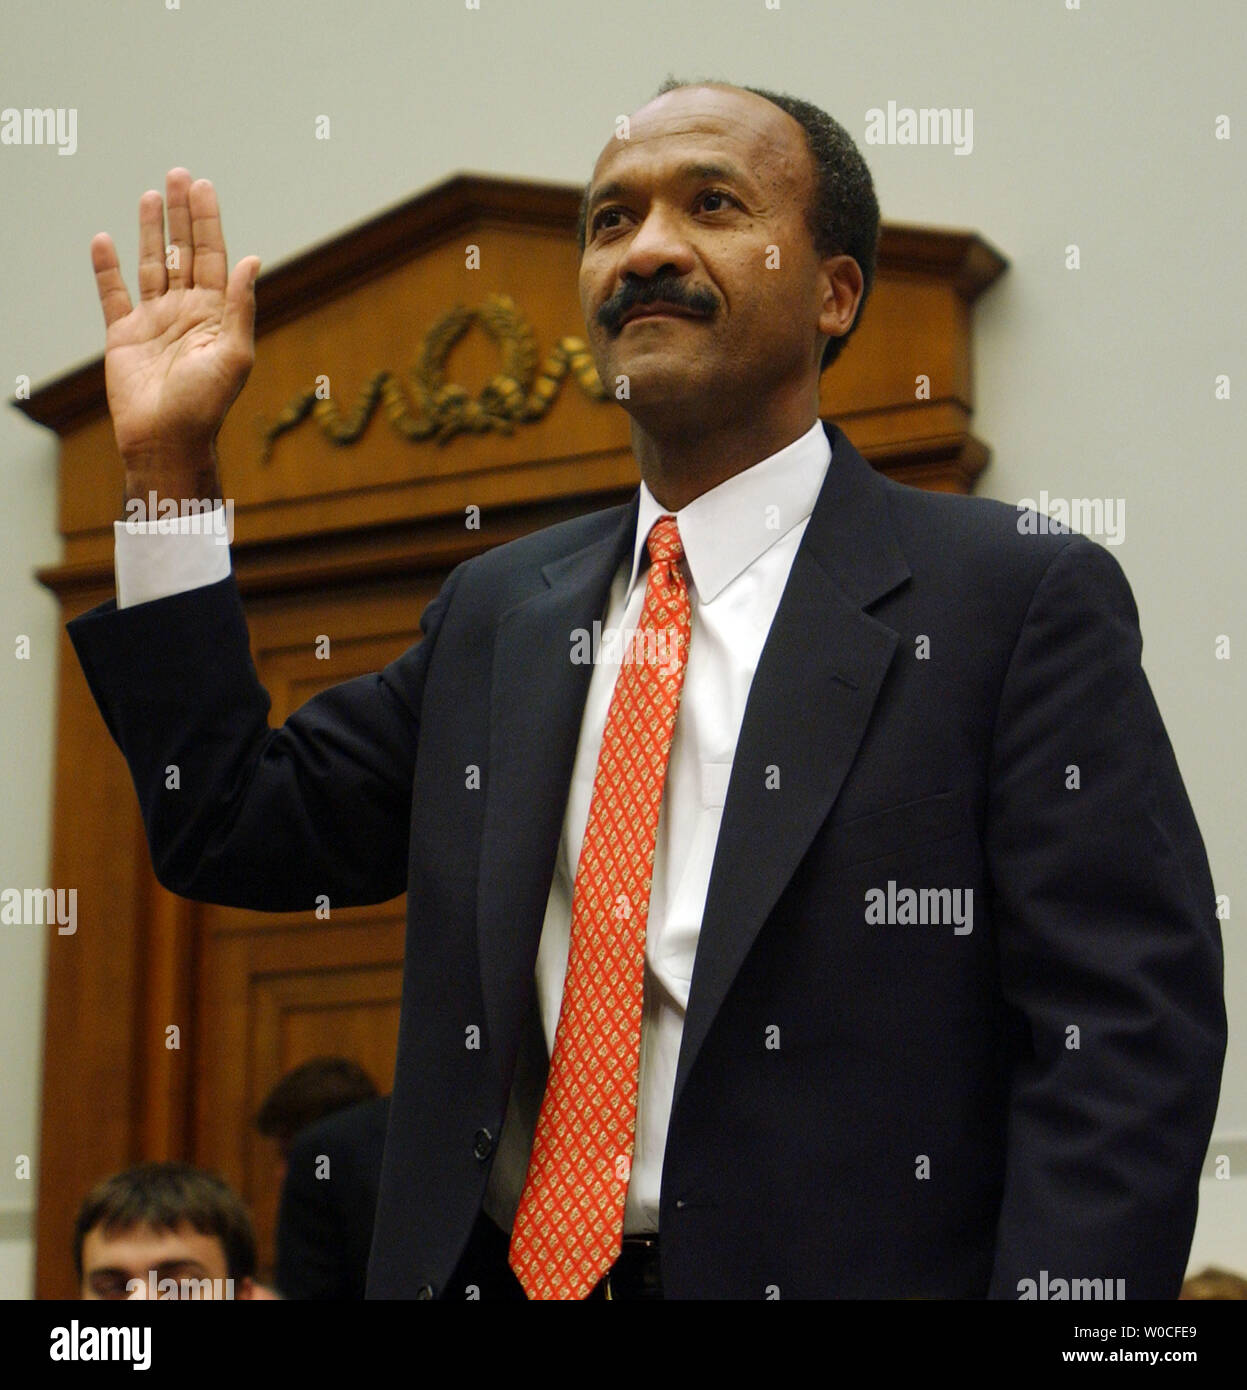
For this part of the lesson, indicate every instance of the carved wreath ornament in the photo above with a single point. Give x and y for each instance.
(517, 394)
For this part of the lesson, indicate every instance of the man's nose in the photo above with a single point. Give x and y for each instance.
(657, 245)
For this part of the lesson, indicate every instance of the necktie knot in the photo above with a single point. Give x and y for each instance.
(664, 543)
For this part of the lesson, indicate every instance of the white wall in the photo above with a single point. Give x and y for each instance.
(1092, 127)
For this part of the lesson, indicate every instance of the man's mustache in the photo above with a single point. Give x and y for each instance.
(611, 314)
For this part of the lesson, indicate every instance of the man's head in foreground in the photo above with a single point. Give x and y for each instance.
(164, 1230)
(751, 216)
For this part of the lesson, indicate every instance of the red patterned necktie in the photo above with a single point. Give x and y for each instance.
(569, 1226)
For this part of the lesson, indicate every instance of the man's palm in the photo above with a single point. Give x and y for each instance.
(175, 362)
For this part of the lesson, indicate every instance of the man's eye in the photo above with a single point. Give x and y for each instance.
(605, 212)
(596, 224)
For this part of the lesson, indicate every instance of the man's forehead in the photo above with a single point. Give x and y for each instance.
(697, 121)
(182, 1241)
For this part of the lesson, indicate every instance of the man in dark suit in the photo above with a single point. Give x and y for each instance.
(857, 939)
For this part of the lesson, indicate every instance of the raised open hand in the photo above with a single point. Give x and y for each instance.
(175, 362)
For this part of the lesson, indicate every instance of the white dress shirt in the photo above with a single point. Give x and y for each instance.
(739, 540)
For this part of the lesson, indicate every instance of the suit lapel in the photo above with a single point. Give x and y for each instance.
(537, 707)
(809, 704)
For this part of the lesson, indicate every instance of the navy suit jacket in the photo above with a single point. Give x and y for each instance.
(861, 1108)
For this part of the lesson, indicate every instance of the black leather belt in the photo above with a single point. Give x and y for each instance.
(635, 1274)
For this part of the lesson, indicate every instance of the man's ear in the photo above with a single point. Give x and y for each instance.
(841, 284)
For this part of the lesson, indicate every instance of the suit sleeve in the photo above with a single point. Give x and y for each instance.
(239, 813)
(1110, 950)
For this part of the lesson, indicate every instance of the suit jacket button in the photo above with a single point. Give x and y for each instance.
(483, 1144)
(425, 1291)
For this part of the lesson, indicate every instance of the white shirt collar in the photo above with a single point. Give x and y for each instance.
(726, 529)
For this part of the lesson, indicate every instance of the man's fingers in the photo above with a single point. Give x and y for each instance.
(210, 268)
(152, 279)
(238, 320)
(177, 201)
(197, 259)
(114, 297)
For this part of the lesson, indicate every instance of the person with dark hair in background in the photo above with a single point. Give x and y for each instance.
(671, 1026)
(167, 1231)
(313, 1089)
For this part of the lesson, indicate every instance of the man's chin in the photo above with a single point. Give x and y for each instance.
(658, 374)
(648, 383)
(660, 404)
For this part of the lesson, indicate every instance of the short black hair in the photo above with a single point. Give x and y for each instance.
(163, 1195)
(313, 1089)
(844, 217)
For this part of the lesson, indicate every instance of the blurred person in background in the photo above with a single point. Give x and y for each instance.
(312, 1090)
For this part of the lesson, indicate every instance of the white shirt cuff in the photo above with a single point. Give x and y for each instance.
(156, 559)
